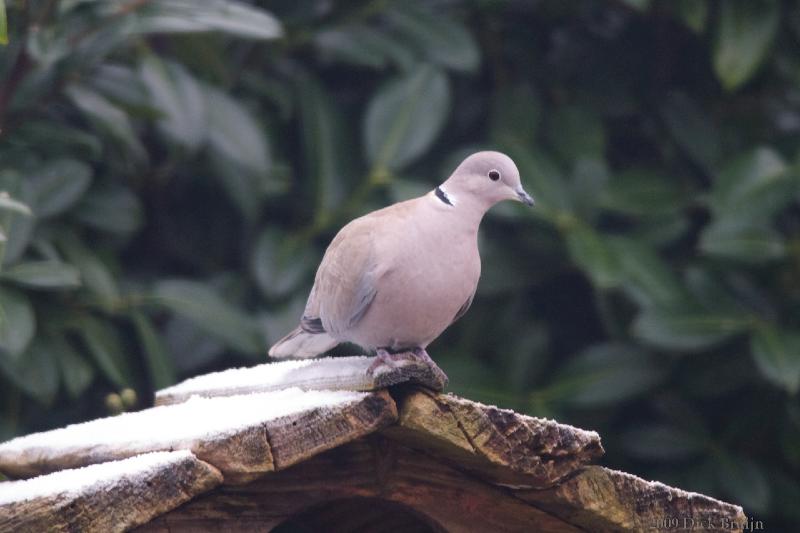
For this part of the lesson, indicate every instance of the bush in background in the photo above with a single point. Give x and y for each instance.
(172, 171)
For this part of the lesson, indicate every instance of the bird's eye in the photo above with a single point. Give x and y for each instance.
(494, 175)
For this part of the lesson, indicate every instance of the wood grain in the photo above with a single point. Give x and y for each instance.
(127, 502)
(498, 445)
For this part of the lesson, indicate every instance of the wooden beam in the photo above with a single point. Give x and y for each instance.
(603, 500)
(498, 445)
(242, 436)
(117, 497)
(371, 468)
(329, 373)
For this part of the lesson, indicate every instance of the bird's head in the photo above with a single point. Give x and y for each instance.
(486, 178)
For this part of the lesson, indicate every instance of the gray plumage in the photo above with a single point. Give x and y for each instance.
(398, 277)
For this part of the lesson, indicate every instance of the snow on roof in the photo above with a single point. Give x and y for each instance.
(160, 427)
(304, 373)
(99, 477)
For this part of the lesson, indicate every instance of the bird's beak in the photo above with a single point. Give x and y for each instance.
(524, 197)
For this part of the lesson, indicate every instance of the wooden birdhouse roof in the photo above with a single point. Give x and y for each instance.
(254, 448)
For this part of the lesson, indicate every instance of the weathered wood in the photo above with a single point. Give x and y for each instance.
(603, 500)
(373, 467)
(331, 373)
(242, 436)
(498, 445)
(119, 497)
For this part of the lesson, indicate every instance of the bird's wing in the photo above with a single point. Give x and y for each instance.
(345, 284)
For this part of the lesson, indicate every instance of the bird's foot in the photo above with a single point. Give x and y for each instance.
(382, 358)
(414, 362)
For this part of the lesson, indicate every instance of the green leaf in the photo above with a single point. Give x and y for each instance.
(113, 209)
(606, 374)
(744, 481)
(363, 46)
(59, 185)
(777, 356)
(9, 204)
(443, 39)
(35, 372)
(107, 348)
(108, 118)
(323, 130)
(516, 113)
(159, 362)
(732, 238)
(199, 303)
(661, 442)
(590, 251)
(745, 177)
(694, 13)
(43, 275)
(188, 16)
(76, 373)
(405, 117)
(687, 330)
(280, 264)
(641, 192)
(3, 23)
(645, 276)
(18, 324)
(692, 128)
(95, 275)
(745, 33)
(180, 99)
(542, 178)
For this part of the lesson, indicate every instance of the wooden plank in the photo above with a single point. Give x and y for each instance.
(360, 477)
(498, 445)
(330, 373)
(108, 497)
(603, 500)
(242, 436)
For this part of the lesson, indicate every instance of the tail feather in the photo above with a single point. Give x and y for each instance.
(302, 344)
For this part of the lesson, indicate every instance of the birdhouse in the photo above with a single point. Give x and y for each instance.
(325, 445)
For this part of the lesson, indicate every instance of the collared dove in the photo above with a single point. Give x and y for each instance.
(393, 280)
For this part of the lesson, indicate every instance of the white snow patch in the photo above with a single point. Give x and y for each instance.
(176, 426)
(99, 477)
(304, 373)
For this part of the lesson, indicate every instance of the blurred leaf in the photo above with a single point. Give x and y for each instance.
(744, 36)
(77, 374)
(644, 275)
(240, 146)
(9, 204)
(709, 289)
(777, 356)
(590, 251)
(191, 347)
(59, 185)
(276, 321)
(639, 5)
(660, 442)
(745, 177)
(281, 264)
(113, 209)
(228, 16)
(107, 348)
(541, 178)
(3, 23)
(181, 100)
(406, 116)
(734, 238)
(43, 275)
(575, 132)
(323, 132)
(95, 275)
(199, 303)
(692, 128)
(17, 323)
(744, 481)
(694, 13)
(35, 371)
(157, 357)
(687, 330)
(589, 179)
(606, 374)
(363, 46)
(108, 118)
(444, 40)
(643, 193)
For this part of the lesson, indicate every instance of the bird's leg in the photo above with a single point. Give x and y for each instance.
(422, 356)
(382, 357)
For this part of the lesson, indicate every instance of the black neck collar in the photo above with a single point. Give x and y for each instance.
(441, 195)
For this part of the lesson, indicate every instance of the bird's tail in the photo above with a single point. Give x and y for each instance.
(302, 344)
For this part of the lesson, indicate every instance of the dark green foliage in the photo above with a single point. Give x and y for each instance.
(172, 171)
